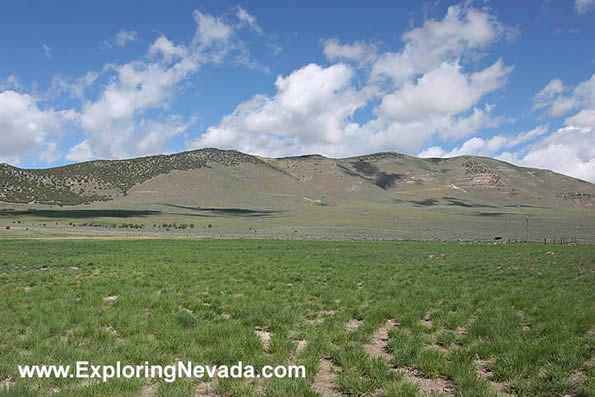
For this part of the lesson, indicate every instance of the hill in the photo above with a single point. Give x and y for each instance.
(357, 193)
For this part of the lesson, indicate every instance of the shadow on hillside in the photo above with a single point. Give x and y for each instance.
(461, 203)
(490, 214)
(81, 213)
(425, 203)
(226, 211)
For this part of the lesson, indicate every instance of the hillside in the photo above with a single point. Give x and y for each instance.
(392, 172)
(389, 194)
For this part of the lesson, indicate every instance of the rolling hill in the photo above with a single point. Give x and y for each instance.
(382, 195)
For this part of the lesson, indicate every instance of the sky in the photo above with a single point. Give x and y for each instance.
(110, 80)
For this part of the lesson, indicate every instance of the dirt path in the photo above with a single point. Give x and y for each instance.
(325, 382)
(377, 348)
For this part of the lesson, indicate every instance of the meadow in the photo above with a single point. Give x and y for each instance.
(364, 318)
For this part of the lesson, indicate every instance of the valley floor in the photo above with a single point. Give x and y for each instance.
(367, 318)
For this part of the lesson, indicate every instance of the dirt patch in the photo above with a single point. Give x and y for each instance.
(377, 346)
(6, 383)
(438, 385)
(111, 298)
(264, 336)
(438, 348)
(27, 289)
(461, 331)
(426, 321)
(111, 330)
(64, 338)
(205, 389)
(481, 367)
(149, 390)
(524, 322)
(578, 377)
(320, 317)
(325, 381)
(353, 325)
(301, 345)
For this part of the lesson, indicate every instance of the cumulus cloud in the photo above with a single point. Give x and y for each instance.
(50, 152)
(158, 133)
(486, 146)
(311, 110)
(583, 6)
(124, 36)
(115, 122)
(570, 150)
(23, 125)
(429, 93)
(80, 152)
(442, 91)
(559, 100)
(462, 31)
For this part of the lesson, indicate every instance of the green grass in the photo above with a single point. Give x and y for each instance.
(527, 311)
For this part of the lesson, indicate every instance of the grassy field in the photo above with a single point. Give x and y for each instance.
(367, 318)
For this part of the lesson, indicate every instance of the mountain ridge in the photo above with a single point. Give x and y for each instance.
(101, 180)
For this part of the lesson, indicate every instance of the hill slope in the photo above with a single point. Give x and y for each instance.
(375, 176)
(387, 195)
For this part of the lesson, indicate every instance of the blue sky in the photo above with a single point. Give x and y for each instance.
(510, 80)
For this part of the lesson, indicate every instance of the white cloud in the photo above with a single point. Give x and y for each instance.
(310, 111)
(313, 108)
(358, 51)
(50, 152)
(75, 88)
(486, 147)
(11, 83)
(460, 32)
(80, 152)
(443, 91)
(569, 150)
(210, 29)
(583, 119)
(114, 121)
(247, 19)
(23, 125)
(47, 50)
(544, 97)
(157, 134)
(124, 36)
(559, 100)
(584, 6)
(167, 49)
